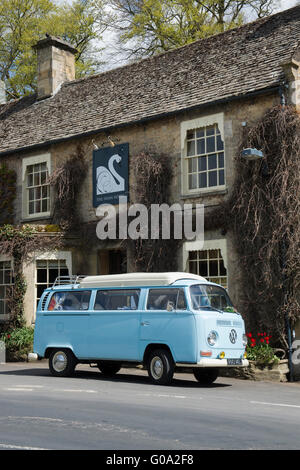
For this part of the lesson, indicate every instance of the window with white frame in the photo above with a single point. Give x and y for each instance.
(6, 282)
(203, 154)
(208, 264)
(205, 158)
(47, 270)
(36, 188)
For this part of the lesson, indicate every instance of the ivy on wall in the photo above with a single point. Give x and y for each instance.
(66, 181)
(18, 243)
(263, 215)
(152, 175)
(7, 194)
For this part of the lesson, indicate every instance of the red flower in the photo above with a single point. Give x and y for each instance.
(8, 336)
(262, 340)
(249, 335)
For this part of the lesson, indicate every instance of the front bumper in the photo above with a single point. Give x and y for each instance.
(206, 362)
(32, 357)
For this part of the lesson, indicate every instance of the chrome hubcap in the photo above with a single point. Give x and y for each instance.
(59, 361)
(156, 367)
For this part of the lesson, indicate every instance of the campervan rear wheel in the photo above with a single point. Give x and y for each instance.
(62, 362)
(109, 368)
(161, 367)
(206, 376)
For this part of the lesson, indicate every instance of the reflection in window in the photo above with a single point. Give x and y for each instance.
(117, 299)
(70, 300)
(166, 299)
(206, 296)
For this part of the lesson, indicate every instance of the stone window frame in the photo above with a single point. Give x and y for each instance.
(208, 245)
(27, 162)
(193, 125)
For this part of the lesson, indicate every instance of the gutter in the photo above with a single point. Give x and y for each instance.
(253, 94)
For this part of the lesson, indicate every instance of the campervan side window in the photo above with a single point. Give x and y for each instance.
(166, 299)
(117, 299)
(70, 300)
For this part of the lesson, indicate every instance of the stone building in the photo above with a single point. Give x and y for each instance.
(191, 104)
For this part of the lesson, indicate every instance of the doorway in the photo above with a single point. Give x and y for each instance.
(112, 262)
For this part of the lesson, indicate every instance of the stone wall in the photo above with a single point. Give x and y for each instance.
(161, 136)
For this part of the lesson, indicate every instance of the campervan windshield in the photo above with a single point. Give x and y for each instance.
(210, 297)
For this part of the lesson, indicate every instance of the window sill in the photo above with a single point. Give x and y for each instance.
(214, 192)
(36, 218)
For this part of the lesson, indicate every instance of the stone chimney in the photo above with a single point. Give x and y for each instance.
(56, 65)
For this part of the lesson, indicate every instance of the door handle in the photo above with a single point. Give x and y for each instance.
(145, 323)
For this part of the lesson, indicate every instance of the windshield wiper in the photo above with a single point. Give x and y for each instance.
(210, 308)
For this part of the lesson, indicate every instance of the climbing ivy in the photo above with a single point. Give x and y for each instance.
(7, 194)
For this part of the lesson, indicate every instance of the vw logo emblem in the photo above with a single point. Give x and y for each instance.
(233, 336)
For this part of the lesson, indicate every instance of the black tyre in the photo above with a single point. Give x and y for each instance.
(161, 367)
(206, 376)
(62, 362)
(109, 368)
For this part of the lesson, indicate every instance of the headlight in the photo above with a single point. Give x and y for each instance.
(212, 338)
(245, 340)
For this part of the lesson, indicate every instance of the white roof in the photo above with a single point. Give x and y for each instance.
(137, 279)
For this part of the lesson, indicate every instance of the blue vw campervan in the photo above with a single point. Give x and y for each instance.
(161, 320)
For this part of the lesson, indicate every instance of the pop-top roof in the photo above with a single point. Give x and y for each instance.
(137, 279)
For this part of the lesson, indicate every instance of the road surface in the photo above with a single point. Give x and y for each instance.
(127, 412)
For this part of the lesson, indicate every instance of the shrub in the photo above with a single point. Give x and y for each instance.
(18, 343)
(260, 351)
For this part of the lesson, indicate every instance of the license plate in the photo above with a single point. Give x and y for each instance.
(234, 362)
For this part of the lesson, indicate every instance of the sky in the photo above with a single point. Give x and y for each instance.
(285, 4)
(108, 38)
(112, 60)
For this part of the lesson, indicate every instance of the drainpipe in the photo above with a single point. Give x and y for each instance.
(283, 85)
(286, 316)
(2, 92)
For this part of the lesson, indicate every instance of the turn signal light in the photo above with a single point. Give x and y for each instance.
(222, 355)
(245, 355)
(205, 353)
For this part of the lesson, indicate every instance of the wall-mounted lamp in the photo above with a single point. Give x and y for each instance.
(252, 154)
(109, 141)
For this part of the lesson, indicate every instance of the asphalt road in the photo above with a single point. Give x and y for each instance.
(88, 411)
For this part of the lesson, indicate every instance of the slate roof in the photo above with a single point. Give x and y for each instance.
(234, 63)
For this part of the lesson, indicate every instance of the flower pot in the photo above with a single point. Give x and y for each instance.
(274, 372)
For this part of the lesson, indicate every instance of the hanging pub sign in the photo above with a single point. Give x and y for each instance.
(110, 174)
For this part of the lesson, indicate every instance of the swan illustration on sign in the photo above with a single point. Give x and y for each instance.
(108, 180)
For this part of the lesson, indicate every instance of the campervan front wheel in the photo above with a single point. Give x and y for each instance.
(160, 367)
(62, 362)
(206, 376)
